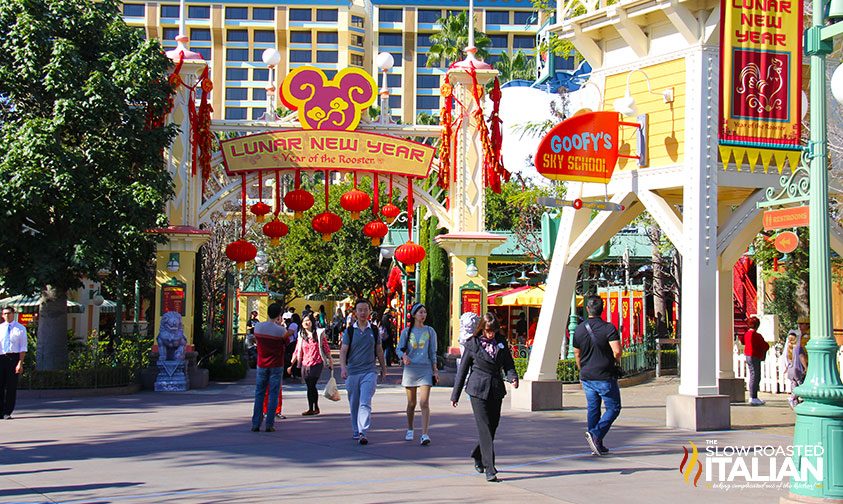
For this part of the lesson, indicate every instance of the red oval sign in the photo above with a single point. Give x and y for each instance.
(583, 148)
(786, 242)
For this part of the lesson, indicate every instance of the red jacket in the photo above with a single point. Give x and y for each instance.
(754, 344)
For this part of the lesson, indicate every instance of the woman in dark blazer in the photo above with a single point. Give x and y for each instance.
(486, 355)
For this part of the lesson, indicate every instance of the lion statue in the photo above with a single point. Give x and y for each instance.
(171, 340)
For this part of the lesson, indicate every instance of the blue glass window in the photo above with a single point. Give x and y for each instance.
(134, 10)
(169, 34)
(526, 18)
(394, 101)
(497, 17)
(199, 12)
(300, 56)
(393, 80)
(264, 36)
(258, 94)
(300, 37)
(326, 15)
(236, 13)
(427, 81)
(236, 74)
(422, 60)
(236, 93)
(200, 34)
(424, 40)
(523, 41)
(390, 39)
(326, 56)
(300, 14)
(257, 113)
(399, 60)
(390, 16)
(263, 13)
(260, 74)
(235, 113)
(237, 54)
(429, 16)
(358, 22)
(170, 11)
(427, 102)
(237, 36)
(499, 41)
(327, 38)
(205, 52)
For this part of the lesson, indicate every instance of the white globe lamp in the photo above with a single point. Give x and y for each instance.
(271, 56)
(385, 61)
(837, 84)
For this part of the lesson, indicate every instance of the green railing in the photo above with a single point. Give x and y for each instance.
(636, 359)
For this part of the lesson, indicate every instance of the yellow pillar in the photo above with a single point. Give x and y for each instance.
(246, 303)
(175, 275)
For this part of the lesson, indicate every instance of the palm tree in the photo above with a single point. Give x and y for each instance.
(515, 67)
(452, 39)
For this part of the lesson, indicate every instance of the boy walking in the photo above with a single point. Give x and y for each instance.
(360, 347)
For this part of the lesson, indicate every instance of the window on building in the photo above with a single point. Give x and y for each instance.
(326, 15)
(390, 16)
(357, 40)
(257, 113)
(300, 37)
(235, 113)
(327, 38)
(236, 74)
(260, 74)
(422, 60)
(134, 10)
(237, 36)
(264, 36)
(259, 94)
(326, 56)
(236, 93)
(358, 22)
(523, 41)
(205, 52)
(564, 63)
(399, 60)
(424, 40)
(499, 41)
(497, 17)
(170, 11)
(390, 39)
(427, 81)
(300, 14)
(429, 16)
(199, 12)
(300, 56)
(257, 55)
(237, 54)
(427, 102)
(236, 13)
(200, 34)
(263, 13)
(393, 80)
(356, 60)
(394, 101)
(169, 34)
(526, 18)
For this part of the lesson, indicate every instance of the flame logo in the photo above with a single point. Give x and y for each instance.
(686, 467)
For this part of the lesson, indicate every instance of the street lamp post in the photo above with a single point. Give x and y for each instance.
(819, 419)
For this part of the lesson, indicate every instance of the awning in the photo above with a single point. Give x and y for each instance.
(521, 296)
(30, 304)
(108, 306)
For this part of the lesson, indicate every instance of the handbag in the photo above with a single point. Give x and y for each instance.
(619, 372)
(331, 392)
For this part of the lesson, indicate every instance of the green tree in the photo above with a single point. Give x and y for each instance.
(452, 39)
(305, 264)
(517, 66)
(83, 177)
(438, 295)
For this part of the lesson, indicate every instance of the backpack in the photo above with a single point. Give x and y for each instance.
(350, 332)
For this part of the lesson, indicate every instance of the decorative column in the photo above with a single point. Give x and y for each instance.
(699, 405)
(727, 384)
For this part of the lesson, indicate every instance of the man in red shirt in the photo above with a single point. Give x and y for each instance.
(271, 341)
(755, 349)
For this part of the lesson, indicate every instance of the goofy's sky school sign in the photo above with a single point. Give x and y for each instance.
(583, 148)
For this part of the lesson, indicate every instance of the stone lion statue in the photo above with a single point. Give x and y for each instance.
(468, 324)
(171, 340)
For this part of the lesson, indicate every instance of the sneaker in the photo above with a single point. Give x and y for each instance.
(602, 448)
(409, 435)
(363, 441)
(592, 444)
(425, 440)
(269, 429)
(756, 402)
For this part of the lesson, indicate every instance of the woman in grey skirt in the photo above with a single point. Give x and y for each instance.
(417, 350)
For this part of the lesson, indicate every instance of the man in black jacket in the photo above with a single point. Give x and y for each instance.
(597, 349)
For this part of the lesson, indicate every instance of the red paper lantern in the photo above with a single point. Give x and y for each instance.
(410, 254)
(260, 209)
(355, 201)
(275, 230)
(390, 211)
(299, 201)
(326, 223)
(241, 252)
(375, 230)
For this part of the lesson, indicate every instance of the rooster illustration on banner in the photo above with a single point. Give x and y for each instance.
(761, 90)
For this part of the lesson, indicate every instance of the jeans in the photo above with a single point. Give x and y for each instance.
(609, 393)
(754, 366)
(271, 377)
(361, 389)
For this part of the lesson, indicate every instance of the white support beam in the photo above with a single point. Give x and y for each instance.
(711, 26)
(739, 242)
(683, 20)
(737, 221)
(665, 217)
(586, 46)
(603, 227)
(630, 32)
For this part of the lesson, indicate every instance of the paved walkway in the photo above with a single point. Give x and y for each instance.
(197, 447)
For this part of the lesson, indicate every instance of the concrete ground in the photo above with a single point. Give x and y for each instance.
(197, 447)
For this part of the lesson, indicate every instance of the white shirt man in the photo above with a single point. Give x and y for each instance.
(12, 353)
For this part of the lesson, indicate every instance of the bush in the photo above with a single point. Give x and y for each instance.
(566, 370)
(231, 369)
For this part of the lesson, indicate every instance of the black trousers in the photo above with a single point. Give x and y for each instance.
(8, 382)
(487, 414)
(311, 377)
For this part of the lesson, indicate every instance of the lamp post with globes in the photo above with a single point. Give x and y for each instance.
(819, 419)
(384, 61)
(271, 57)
